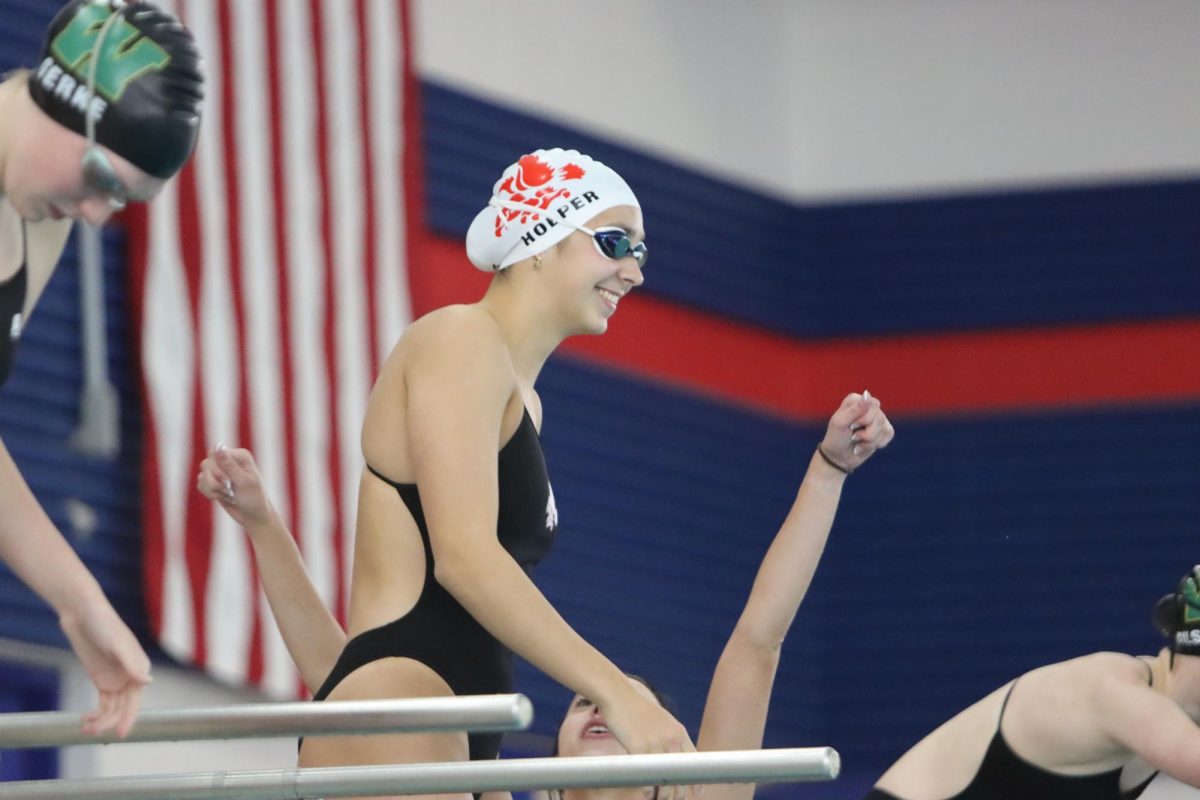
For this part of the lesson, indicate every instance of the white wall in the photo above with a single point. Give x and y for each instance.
(820, 99)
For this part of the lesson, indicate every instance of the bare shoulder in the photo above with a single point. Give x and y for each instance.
(1078, 681)
(460, 348)
(1105, 665)
(458, 329)
(459, 334)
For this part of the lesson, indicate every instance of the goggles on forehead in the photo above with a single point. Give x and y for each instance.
(98, 172)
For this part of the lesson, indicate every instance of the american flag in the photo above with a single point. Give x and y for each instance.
(269, 282)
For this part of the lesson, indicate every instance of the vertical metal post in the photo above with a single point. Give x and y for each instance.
(98, 433)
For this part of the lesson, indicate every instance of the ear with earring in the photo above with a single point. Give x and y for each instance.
(537, 262)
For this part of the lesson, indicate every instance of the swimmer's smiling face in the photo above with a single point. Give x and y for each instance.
(592, 283)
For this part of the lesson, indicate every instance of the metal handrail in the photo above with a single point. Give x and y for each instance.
(502, 712)
(527, 774)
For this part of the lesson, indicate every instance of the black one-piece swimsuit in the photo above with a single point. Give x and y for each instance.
(438, 631)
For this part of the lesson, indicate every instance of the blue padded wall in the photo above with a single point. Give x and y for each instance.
(1086, 255)
(22, 24)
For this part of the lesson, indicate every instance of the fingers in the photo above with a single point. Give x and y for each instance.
(237, 467)
(226, 470)
(238, 464)
(127, 709)
(875, 436)
(100, 719)
(214, 478)
(869, 411)
(680, 743)
(212, 482)
(884, 433)
(852, 407)
(857, 429)
(117, 711)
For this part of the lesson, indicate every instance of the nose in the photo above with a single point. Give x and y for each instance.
(630, 273)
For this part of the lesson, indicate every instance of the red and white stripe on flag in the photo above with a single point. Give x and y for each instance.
(269, 282)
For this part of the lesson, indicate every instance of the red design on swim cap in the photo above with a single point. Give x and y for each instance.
(572, 172)
(537, 175)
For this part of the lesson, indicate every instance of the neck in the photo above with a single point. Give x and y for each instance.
(527, 333)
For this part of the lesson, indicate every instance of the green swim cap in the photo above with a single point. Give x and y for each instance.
(148, 81)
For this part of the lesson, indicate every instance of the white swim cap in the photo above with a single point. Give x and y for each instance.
(532, 198)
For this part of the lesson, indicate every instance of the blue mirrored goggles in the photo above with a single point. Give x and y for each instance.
(614, 243)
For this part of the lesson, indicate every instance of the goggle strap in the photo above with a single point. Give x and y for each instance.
(89, 120)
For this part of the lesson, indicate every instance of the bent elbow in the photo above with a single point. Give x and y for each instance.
(455, 568)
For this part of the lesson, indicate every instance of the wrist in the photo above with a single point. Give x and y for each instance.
(612, 689)
(75, 597)
(829, 464)
(265, 525)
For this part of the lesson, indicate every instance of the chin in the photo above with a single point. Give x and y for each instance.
(597, 747)
(589, 328)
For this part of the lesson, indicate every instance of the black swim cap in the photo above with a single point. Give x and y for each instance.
(1177, 616)
(149, 83)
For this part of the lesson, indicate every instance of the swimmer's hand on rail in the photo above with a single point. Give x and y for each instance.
(115, 662)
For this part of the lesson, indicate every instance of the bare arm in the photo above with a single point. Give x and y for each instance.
(1151, 725)
(457, 388)
(735, 713)
(311, 633)
(41, 557)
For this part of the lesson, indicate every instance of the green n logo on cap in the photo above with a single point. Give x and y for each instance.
(126, 54)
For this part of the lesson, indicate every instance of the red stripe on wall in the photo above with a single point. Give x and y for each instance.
(1131, 363)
